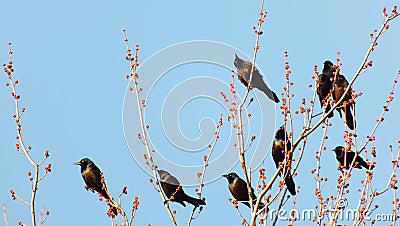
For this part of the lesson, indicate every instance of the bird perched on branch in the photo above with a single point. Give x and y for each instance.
(325, 85)
(94, 180)
(92, 176)
(174, 191)
(342, 154)
(244, 71)
(331, 81)
(238, 188)
(281, 150)
(340, 86)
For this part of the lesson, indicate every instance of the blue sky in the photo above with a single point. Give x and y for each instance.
(69, 58)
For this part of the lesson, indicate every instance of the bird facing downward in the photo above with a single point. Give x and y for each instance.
(280, 153)
(174, 191)
(341, 155)
(238, 188)
(244, 71)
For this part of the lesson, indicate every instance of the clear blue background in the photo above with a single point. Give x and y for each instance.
(69, 58)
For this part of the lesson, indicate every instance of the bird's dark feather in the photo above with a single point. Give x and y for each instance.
(244, 74)
(174, 191)
(238, 188)
(342, 155)
(279, 154)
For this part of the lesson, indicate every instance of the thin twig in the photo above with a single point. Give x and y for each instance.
(133, 76)
(346, 174)
(21, 147)
(239, 129)
(206, 161)
(358, 72)
(279, 207)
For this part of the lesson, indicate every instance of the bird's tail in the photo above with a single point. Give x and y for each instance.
(260, 206)
(290, 184)
(276, 99)
(367, 166)
(349, 117)
(108, 196)
(194, 201)
(104, 193)
(260, 84)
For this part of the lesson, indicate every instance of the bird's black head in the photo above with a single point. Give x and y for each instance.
(237, 62)
(328, 64)
(163, 174)
(328, 67)
(167, 177)
(231, 177)
(84, 163)
(338, 150)
(280, 133)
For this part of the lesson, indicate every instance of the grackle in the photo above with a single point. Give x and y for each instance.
(92, 176)
(279, 154)
(325, 84)
(238, 188)
(340, 86)
(174, 192)
(341, 155)
(244, 70)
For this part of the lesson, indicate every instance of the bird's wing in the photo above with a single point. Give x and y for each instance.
(323, 87)
(349, 158)
(361, 162)
(341, 86)
(258, 82)
(245, 70)
(277, 154)
(92, 178)
(239, 190)
(343, 80)
(319, 89)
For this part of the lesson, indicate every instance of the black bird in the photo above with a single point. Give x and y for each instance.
(92, 176)
(238, 188)
(279, 155)
(174, 191)
(340, 86)
(325, 85)
(341, 154)
(244, 70)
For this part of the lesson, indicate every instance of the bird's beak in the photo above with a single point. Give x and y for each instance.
(226, 176)
(77, 163)
(236, 55)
